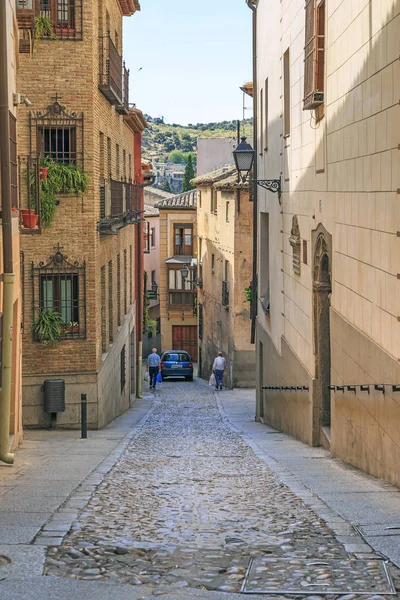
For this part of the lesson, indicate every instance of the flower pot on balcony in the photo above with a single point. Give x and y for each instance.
(27, 211)
(65, 32)
(43, 172)
(30, 220)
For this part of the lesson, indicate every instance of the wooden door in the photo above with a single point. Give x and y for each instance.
(184, 337)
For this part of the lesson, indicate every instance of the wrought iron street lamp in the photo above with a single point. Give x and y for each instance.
(152, 294)
(243, 156)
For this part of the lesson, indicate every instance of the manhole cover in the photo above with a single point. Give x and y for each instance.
(268, 575)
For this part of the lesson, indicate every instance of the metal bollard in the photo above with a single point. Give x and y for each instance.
(83, 416)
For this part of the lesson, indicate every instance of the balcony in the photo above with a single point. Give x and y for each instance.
(225, 294)
(119, 206)
(123, 109)
(48, 20)
(110, 69)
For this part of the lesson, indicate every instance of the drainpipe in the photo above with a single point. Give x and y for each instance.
(254, 291)
(8, 274)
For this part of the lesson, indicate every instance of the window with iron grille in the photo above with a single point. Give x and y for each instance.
(130, 275)
(183, 240)
(200, 321)
(103, 310)
(125, 282)
(153, 237)
(314, 54)
(13, 160)
(101, 148)
(123, 367)
(117, 160)
(110, 303)
(57, 134)
(65, 16)
(109, 158)
(60, 286)
(119, 288)
(146, 237)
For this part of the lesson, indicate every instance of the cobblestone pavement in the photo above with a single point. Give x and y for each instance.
(189, 505)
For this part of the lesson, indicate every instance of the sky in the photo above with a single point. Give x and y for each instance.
(193, 56)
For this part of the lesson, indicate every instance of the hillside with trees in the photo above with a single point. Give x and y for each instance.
(174, 143)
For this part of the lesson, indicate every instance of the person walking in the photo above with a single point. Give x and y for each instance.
(219, 367)
(153, 365)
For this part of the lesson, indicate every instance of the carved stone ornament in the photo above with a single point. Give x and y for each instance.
(294, 241)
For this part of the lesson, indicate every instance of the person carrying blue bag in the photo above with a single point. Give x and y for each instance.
(154, 367)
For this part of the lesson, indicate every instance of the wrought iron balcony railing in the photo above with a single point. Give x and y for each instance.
(123, 109)
(110, 83)
(119, 206)
(183, 250)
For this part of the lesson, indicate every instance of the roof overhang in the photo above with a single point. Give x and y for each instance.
(182, 260)
(129, 7)
(135, 120)
(247, 88)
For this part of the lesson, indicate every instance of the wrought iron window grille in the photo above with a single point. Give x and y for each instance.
(57, 134)
(60, 285)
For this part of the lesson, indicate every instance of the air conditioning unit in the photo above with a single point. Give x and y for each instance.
(314, 100)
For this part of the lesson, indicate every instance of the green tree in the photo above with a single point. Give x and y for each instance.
(188, 175)
(177, 157)
(166, 187)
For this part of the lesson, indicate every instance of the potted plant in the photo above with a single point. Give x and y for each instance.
(70, 327)
(43, 28)
(62, 178)
(65, 31)
(29, 218)
(47, 327)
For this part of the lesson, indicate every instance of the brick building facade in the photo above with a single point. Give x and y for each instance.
(82, 265)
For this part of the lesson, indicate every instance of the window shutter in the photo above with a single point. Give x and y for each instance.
(309, 54)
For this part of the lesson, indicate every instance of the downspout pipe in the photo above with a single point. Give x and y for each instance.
(8, 269)
(254, 286)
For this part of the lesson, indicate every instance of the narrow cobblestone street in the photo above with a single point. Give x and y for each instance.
(189, 505)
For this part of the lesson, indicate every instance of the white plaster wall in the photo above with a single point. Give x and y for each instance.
(152, 260)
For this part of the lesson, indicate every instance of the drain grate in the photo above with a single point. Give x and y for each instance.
(268, 575)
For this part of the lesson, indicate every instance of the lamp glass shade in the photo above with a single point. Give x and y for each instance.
(243, 156)
(184, 272)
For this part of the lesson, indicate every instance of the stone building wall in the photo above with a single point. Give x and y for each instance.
(226, 234)
(339, 168)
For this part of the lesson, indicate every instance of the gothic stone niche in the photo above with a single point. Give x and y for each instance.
(294, 241)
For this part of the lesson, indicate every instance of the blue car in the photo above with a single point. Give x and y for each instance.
(176, 363)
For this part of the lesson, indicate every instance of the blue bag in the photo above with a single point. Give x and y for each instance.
(159, 378)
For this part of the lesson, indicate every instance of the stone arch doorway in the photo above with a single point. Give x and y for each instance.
(322, 289)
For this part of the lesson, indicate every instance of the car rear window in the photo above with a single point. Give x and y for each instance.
(179, 357)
